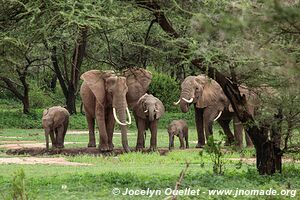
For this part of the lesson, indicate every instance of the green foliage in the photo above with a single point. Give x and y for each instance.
(213, 148)
(166, 88)
(39, 98)
(18, 186)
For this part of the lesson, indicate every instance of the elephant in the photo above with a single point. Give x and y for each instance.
(107, 98)
(55, 120)
(148, 111)
(180, 129)
(211, 105)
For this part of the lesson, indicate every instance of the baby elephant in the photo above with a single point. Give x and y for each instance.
(55, 120)
(180, 129)
(147, 113)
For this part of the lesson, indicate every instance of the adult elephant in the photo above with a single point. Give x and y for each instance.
(106, 97)
(210, 104)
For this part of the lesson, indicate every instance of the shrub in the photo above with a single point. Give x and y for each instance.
(167, 89)
(38, 98)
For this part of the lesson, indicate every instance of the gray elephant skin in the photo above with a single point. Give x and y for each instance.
(148, 111)
(55, 122)
(180, 129)
(107, 98)
(211, 105)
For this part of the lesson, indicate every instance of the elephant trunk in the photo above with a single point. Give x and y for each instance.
(120, 113)
(184, 105)
(152, 113)
(47, 139)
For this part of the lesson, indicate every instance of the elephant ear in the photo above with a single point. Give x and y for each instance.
(95, 79)
(212, 94)
(160, 107)
(251, 98)
(138, 81)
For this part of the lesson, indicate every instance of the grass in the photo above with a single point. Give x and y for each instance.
(138, 171)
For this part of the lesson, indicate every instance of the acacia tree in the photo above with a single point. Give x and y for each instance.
(218, 49)
(15, 67)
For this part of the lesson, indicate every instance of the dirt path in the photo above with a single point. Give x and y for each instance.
(253, 160)
(36, 160)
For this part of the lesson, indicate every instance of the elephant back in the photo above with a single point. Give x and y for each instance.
(138, 81)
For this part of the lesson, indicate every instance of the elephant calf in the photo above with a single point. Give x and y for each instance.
(180, 129)
(55, 120)
(147, 112)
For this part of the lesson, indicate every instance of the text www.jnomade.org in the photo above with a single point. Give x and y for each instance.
(197, 192)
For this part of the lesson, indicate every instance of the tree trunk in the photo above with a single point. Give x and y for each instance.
(71, 100)
(25, 99)
(26, 106)
(53, 82)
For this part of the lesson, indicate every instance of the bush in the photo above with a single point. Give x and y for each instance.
(167, 89)
(38, 98)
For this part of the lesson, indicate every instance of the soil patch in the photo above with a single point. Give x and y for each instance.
(24, 144)
(36, 160)
(73, 151)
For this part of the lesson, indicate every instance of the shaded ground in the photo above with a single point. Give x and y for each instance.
(36, 160)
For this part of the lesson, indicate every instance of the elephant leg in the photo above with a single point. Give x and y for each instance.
(199, 126)
(153, 139)
(181, 141)
(209, 115)
(238, 132)
(91, 125)
(249, 142)
(141, 126)
(66, 124)
(60, 136)
(110, 124)
(171, 142)
(225, 126)
(100, 116)
(186, 141)
(53, 139)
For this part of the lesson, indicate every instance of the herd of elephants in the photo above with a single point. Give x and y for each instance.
(107, 98)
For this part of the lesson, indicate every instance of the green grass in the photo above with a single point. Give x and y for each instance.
(138, 171)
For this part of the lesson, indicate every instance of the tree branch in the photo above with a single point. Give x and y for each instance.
(10, 86)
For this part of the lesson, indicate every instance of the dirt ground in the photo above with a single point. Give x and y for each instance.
(37, 160)
(27, 144)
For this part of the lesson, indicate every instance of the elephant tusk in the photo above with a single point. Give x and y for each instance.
(188, 101)
(156, 110)
(218, 116)
(146, 111)
(116, 118)
(129, 116)
(176, 103)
